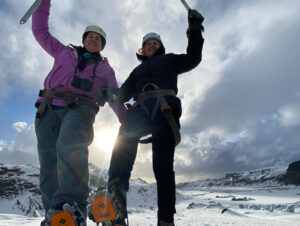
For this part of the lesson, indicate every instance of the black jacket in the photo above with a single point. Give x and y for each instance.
(163, 70)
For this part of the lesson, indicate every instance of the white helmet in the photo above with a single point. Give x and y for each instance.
(96, 29)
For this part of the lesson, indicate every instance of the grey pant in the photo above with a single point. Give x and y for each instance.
(63, 156)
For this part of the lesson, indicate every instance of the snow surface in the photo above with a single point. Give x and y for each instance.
(250, 199)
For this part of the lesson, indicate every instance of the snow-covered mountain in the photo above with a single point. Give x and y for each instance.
(273, 176)
(257, 197)
(261, 190)
(20, 194)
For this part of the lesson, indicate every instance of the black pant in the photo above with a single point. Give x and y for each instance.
(136, 125)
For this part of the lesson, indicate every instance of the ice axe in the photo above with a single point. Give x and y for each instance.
(185, 5)
(188, 8)
(193, 14)
(30, 11)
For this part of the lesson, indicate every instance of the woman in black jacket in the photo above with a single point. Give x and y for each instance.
(153, 85)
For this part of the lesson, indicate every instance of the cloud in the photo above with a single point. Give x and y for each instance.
(23, 149)
(21, 64)
(18, 157)
(211, 155)
(2, 145)
(247, 90)
(239, 95)
(19, 126)
(289, 115)
(25, 140)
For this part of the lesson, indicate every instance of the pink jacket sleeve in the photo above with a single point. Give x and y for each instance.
(40, 29)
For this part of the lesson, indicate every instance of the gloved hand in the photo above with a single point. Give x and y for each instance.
(195, 20)
(104, 95)
(101, 98)
(112, 94)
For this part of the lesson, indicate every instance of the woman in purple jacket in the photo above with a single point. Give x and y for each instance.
(66, 112)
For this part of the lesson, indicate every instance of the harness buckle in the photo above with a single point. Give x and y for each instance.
(149, 86)
(166, 108)
(71, 105)
(41, 93)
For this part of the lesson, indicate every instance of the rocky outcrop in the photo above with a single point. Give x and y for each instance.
(19, 188)
(292, 175)
(13, 182)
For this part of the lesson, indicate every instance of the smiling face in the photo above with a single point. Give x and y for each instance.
(93, 42)
(150, 47)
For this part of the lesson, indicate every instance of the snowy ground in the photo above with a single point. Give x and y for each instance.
(198, 205)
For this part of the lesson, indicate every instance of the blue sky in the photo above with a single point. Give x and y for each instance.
(241, 105)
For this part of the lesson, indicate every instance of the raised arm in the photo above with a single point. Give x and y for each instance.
(193, 56)
(40, 29)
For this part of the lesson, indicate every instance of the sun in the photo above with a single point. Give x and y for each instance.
(105, 139)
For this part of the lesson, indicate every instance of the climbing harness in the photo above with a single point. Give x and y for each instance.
(112, 94)
(160, 95)
(62, 93)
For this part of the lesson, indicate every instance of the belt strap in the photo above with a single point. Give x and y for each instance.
(155, 93)
(68, 95)
(165, 108)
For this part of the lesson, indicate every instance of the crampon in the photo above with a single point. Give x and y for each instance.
(68, 216)
(108, 206)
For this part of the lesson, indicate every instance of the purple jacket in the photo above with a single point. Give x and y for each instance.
(65, 62)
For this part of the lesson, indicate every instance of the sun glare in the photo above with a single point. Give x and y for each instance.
(105, 139)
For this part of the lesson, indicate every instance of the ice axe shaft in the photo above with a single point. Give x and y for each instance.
(185, 5)
(195, 18)
(30, 11)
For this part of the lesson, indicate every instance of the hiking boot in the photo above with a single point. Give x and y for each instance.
(113, 223)
(163, 223)
(43, 222)
(118, 195)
